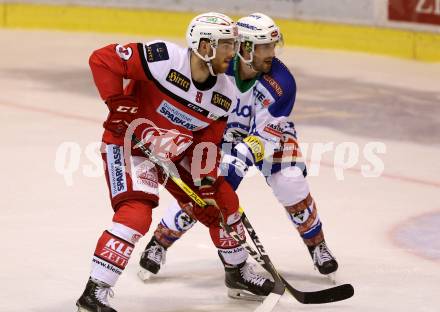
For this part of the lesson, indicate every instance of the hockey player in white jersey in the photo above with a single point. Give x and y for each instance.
(258, 122)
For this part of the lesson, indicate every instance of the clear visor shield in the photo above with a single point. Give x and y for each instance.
(221, 45)
(227, 45)
(265, 48)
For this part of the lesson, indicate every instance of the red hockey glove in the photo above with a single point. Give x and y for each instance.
(210, 214)
(123, 110)
(207, 193)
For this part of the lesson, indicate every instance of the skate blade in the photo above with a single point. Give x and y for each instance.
(144, 275)
(332, 278)
(81, 309)
(241, 294)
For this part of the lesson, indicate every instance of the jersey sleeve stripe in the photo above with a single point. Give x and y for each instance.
(143, 56)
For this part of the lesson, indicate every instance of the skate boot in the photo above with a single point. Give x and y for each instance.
(152, 257)
(323, 259)
(244, 283)
(94, 297)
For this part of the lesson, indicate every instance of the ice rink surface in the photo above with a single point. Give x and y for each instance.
(384, 231)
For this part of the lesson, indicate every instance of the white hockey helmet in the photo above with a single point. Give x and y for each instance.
(212, 26)
(257, 28)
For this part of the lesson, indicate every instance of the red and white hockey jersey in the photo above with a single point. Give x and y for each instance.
(168, 98)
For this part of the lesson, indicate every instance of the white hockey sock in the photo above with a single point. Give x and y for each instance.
(176, 219)
(233, 256)
(112, 253)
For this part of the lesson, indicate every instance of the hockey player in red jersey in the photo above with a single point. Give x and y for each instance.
(177, 102)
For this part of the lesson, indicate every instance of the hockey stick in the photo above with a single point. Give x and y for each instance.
(332, 294)
(272, 299)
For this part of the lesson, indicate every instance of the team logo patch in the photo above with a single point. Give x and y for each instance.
(300, 217)
(157, 52)
(248, 46)
(179, 80)
(183, 221)
(221, 101)
(123, 52)
(274, 84)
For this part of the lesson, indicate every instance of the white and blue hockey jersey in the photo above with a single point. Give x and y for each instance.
(262, 110)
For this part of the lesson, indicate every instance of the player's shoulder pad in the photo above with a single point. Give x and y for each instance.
(282, 85)
(158, 57)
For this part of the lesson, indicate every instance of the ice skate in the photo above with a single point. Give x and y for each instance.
(324, 260)
(244, 283)
(151, 259)
(94, 297)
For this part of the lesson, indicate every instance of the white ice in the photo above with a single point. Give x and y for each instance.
(49, 229)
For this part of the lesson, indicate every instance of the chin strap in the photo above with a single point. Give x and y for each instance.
(207, 60)
(249, 61)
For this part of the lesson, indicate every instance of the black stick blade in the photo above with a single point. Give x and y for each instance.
(337, 293)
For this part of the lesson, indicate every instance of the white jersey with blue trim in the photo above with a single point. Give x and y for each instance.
(264, 104)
